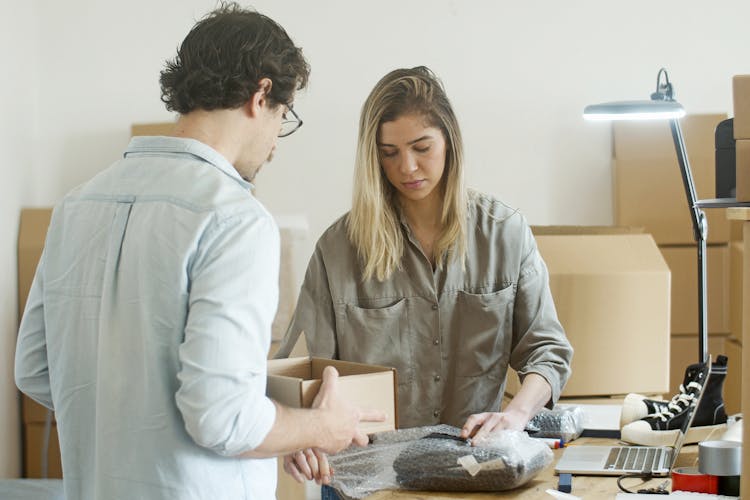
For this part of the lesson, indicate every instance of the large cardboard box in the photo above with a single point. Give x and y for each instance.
(741, 101)
(157, 128)
(736, 255)
(742, 150)
(295, 382)
(32, 231)
(683, 262)
(648, 186)
(611, 292)
(685, 352)
(733, 382)
(34, 457)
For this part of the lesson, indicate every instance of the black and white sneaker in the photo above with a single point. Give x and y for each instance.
(661, 427)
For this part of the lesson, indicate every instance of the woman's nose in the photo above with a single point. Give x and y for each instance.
(408, 163)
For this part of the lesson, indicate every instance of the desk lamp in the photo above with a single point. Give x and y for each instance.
(662, 106)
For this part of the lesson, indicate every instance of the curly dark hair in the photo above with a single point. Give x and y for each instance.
(225, 55)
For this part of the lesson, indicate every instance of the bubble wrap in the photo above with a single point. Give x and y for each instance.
(434, 458)
(565, 423)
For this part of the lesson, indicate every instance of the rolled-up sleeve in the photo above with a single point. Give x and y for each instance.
(232, 302)
(539, 342)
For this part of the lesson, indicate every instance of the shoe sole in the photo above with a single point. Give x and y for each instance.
(668, 438)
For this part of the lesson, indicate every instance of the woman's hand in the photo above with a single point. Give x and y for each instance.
(479, 425)
(308, 464)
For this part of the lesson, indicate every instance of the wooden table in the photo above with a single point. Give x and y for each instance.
(590, 487)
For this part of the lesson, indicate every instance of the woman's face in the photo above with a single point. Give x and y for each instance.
(412, 155)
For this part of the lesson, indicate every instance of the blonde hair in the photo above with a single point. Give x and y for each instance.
(373, 224)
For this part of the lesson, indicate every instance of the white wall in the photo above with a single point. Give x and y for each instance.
(18, 88)
(518, 72)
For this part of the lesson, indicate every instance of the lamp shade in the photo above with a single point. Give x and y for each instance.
(635, 110)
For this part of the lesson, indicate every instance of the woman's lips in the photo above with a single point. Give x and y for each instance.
(414, 184)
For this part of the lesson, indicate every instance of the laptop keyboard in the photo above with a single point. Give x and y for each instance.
(634, 458)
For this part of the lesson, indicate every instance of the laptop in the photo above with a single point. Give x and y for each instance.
(616, 460)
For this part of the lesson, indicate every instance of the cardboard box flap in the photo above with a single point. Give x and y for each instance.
(345, 368)
(554, 230)
(601, 254)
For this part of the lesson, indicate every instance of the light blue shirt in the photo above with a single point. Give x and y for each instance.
(148, 325)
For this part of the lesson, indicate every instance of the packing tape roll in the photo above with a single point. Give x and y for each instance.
(720, 458)
(691, 479)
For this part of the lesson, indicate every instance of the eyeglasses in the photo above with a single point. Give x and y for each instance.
(289, 125)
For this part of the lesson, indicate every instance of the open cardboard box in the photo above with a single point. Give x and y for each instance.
(294, 382)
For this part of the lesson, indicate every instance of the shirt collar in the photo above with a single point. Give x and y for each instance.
(182, 145)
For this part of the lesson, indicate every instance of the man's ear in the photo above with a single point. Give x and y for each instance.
(260, 98)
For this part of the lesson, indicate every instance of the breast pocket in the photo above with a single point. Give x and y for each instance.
(482, 330)
(378, 336)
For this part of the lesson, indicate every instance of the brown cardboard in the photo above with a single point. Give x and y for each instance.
(736, 254)
(33, 412)
(34, 444)
(611, 292)
(683, 262)
(648, 186)
(31, 233)
(733, 382)
(159, 128)
(295, 382)
(742, 162)
(741, 102)
(685, 352)
(552, 230)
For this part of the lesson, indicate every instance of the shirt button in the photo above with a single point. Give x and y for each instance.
(437, 378)
(436, 413)
(436, 341)
(434, 307)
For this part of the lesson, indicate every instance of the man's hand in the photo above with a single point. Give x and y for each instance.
(341, 419)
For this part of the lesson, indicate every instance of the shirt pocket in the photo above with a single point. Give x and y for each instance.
(378, 336)
(482, 332)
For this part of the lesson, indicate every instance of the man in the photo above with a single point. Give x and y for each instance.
(148, 322)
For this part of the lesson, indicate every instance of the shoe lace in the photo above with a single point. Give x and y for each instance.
(679, 402)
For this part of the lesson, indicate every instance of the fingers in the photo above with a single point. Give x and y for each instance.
(300, 461)
(329, 384)
(472, 423)
(324, 469)
(312, 462)
(291, 469)
(360, 438)
(372, 416)
(493, 422)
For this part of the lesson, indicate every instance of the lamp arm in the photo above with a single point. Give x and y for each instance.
(700, 233)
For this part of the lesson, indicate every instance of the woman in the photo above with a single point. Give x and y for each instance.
(443, 284)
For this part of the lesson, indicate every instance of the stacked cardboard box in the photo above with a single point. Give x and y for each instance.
(611, 291)
(741, 101)
(31, 233)
(649, 192)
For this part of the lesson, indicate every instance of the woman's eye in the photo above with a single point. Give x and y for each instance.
(388, 154)
(422, 150)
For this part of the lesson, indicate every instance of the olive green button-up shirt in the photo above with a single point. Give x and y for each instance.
(451, 333)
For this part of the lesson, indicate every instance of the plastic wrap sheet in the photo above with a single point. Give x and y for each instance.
(564, 423)
(434, 458)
